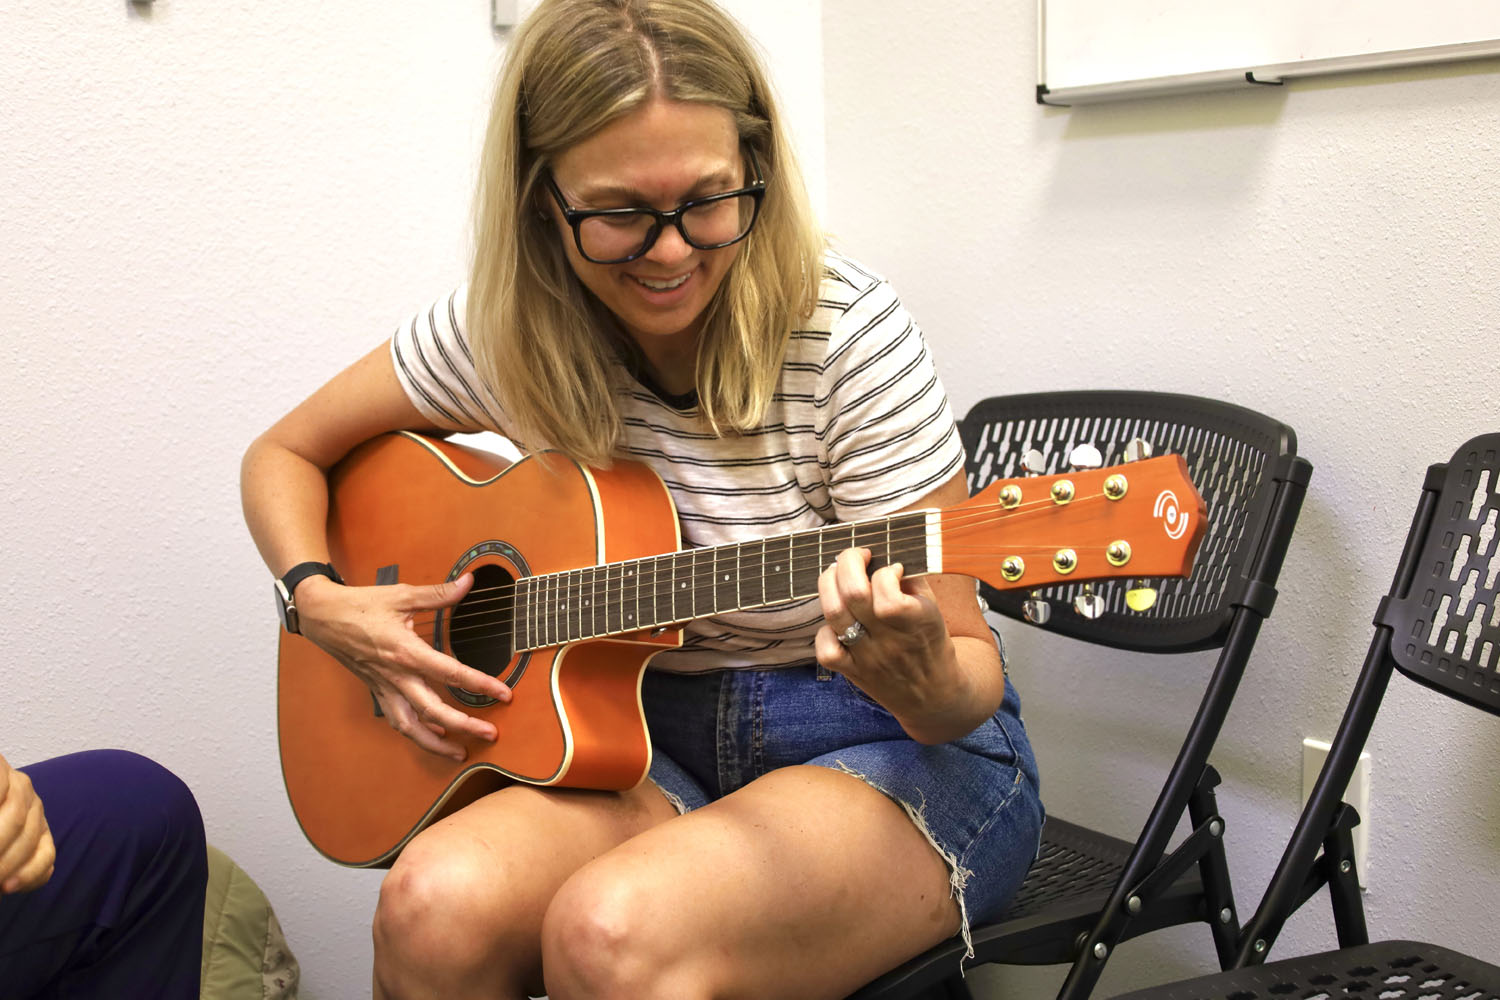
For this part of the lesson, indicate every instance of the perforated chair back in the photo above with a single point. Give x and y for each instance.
(1445, 621)
(1440, 626)
(1235, 457)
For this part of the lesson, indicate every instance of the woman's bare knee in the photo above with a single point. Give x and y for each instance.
(602, 936)
(439, 918)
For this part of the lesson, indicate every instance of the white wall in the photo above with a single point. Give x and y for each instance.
(207, 209)
(1326, 253)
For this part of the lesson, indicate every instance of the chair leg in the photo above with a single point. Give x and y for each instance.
(1213, 868)
(1343, 879)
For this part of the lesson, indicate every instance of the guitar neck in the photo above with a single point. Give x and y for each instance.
(670, 590)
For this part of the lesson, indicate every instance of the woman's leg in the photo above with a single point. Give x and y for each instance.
(807, 882)
(460, 912)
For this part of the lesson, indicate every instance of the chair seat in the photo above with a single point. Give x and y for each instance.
(1390, 970)
(1060, 900)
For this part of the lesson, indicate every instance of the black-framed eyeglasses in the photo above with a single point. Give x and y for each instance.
(617, 235)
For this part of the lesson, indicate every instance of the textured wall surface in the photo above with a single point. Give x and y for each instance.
(207, 210)
(1324, 252)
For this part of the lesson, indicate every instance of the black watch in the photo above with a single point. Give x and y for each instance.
(286, 609)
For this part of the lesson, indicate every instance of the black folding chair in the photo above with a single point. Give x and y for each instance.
(1440, 626)
(1087, 891)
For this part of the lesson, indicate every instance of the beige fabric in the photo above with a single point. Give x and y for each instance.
(245, 955)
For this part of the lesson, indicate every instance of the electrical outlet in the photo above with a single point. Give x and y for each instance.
(1314, 753)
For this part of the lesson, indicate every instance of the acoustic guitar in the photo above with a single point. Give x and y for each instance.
(579, 579)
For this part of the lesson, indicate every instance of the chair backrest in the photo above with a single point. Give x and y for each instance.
(1444, 609)
(1440, 626)
(1238, 459)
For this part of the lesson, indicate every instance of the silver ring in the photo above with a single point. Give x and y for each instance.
(852, 634)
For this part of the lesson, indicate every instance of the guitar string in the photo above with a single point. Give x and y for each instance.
(560, 620)
(953, 523)
(552, 618)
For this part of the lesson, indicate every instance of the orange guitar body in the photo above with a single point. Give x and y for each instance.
(410, 509)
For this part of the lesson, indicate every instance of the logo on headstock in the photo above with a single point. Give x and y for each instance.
(1167, 510)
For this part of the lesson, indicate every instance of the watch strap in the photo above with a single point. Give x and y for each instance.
(286, 586)
(303, 570)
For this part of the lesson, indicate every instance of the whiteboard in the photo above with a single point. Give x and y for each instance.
(1107, 49)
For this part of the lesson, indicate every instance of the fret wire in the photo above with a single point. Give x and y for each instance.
(522, 609)
(532, 626)
(549, 604)
(611, 596)
(640, 587)
(601, 599)
(531, 612)
(631, 572)
(762, 571)
(662, 617)
(579, 603)
(575, 594)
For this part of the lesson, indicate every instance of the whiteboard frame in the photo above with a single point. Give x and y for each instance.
(1240, 77)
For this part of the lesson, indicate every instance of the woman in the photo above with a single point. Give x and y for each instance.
(837, 784)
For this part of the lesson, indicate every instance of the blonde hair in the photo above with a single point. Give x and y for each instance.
(540, 339)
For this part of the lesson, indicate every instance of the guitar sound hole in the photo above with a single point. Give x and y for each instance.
(479, 629)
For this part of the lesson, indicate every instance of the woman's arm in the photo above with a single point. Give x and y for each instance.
(284, 492)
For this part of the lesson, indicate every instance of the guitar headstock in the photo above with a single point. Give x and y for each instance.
(1140, 519)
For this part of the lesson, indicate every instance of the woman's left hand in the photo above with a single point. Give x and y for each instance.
(903, 655)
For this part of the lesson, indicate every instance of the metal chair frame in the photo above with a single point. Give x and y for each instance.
(1088, 892)
(1439, 626)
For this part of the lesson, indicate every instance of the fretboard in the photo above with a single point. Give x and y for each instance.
(676, 588)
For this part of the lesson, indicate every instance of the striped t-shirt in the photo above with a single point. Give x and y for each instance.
(859, 427)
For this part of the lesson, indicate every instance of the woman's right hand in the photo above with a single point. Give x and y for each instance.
(376, 633)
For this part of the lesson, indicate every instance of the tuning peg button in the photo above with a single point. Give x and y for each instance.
(1140, 597)
(1033, 462)
(1036, 610)
(1085, 456)
(1089, 604)
(1137, 449)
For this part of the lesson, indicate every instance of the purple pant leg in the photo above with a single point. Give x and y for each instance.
(122, 915)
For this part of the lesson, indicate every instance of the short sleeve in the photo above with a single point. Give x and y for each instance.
(435, 366)
(888, 433)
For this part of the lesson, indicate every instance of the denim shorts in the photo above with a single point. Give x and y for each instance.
(976, 799)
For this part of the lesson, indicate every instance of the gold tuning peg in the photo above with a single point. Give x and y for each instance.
(1141, 596)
